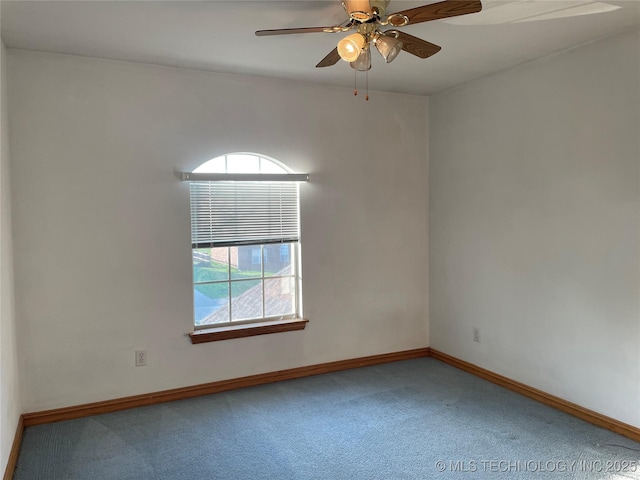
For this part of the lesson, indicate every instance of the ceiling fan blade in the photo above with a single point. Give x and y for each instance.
(331, 59)
(416, 46)
(287, 31)
(440, 10)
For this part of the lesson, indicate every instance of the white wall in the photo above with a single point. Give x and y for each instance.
(102, 247)
(10, 407)
(534, 224)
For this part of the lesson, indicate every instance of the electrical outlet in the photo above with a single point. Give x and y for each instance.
(476, 334)
(141, 358)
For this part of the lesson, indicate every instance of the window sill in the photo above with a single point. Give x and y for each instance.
(247, 330)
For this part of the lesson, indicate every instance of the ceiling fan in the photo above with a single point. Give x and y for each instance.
(367, 17)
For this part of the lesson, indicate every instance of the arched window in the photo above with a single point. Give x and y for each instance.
(242, 163)
(245, 240)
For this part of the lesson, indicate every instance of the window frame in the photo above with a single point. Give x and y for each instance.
(256, 325)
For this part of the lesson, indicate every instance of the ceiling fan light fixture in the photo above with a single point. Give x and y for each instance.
(350, 47)
(363, 62)
(388, 46)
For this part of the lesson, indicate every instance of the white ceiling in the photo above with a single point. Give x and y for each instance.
(219, 36)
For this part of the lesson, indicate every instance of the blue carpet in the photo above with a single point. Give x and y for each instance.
(416, 419)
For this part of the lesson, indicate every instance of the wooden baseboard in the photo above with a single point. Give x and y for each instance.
(79, 411)
(15, 449)
(571, 408)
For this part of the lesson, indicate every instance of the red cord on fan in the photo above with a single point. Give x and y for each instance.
(355, 82)
(366, 80)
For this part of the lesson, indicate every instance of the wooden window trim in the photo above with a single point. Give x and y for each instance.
(247, 330)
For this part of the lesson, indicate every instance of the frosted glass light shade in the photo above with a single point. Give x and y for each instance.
(363, 62)
(349, 48)
(388, 46)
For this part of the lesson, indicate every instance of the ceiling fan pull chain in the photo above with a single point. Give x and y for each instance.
(355, 82)
(366, 83)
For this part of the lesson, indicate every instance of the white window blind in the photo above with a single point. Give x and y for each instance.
(226, 213)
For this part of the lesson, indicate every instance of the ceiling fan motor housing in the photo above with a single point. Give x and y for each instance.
(365, 10)
(380, 6)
